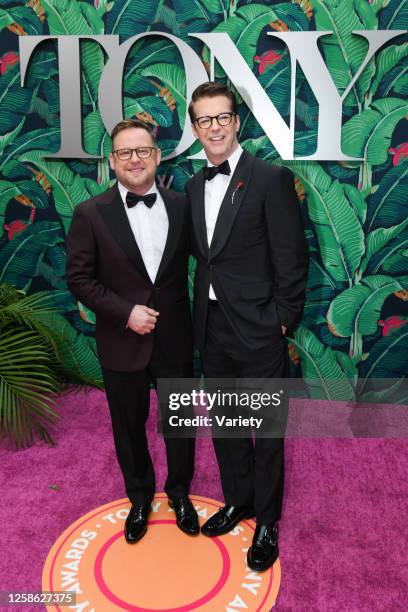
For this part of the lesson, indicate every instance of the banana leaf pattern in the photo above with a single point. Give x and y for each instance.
(355, 320)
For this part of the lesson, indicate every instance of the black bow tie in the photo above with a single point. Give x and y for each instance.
(211, 171)
(132, 199)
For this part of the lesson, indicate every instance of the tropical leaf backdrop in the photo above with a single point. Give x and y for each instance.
(355, 320)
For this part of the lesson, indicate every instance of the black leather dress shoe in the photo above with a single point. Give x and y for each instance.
(186, 515)
(264, 550)
(225, 519)
(136, 523)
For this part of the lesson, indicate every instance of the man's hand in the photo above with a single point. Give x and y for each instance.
(283, 330)
(142, 319)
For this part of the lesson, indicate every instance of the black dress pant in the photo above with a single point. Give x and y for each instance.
(252, 471)
(128, 395)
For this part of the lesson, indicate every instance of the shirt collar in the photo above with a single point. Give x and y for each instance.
(232, 159)
(124, 191)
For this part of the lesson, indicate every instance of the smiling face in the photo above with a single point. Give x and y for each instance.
(219, 142)
(137, 175)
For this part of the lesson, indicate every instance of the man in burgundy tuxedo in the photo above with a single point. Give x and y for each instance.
(128, 254)
(249, 292)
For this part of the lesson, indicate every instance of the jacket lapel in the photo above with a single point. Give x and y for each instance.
(231, 203)
(174, 214)
(198, 213)
(113, 213)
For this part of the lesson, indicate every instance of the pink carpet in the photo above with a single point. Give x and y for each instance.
(343, 532)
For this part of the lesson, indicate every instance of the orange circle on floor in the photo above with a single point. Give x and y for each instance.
(166, 571)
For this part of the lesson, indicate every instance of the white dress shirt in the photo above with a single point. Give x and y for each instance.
(150, 227)
(214, 192)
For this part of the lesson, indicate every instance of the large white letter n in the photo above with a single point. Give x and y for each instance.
(303, 49)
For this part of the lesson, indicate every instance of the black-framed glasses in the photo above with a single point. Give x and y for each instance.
(141, 152)
(222, 119)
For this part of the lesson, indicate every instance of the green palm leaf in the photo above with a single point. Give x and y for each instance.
(394, 16)
(44, 139)
(8, 190)
(24, 17)
(15, 100)
(52, 268)
(43, 66)
(387, 358)
(92, 17)
(276, 82)
(19, 257)
(378, 261)
(245, 27)
(27, 386)
(6, 139)
(75, 351)
(136, 85)
(255, 145)
(378, 239)
(388, 204)
(344, 52)
(322, 369)
(202, 12)
(318, 277)
(153, 106)
(147, 53)
(38, 347)
(305, 143)
(398, 83)
(320, 291)
(68, 188)
(168, 17)
(72, 17)
(174, 78)
(97, 140)
(92, 64)
(356, 200)
(131, 17)
(314, 312)
(28, 188)
(397, 263)
(368, 135)
(357, 309)
(59, 300)
(42, 108)
(385, 61)
(338, 229)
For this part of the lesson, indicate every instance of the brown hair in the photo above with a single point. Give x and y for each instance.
(210, 90)
(131, 123)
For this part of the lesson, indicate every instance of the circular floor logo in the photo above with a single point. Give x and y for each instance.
(166, 571)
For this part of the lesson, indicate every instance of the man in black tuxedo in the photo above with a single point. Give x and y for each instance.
(128, 252)
(249, 293)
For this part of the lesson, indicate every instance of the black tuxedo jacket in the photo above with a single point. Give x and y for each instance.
(257, 261)
(105, 271)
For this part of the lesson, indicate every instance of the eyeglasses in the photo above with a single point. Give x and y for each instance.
(222, 119)
(141, 152)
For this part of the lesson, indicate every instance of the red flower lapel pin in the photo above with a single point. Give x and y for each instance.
(240, 185)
